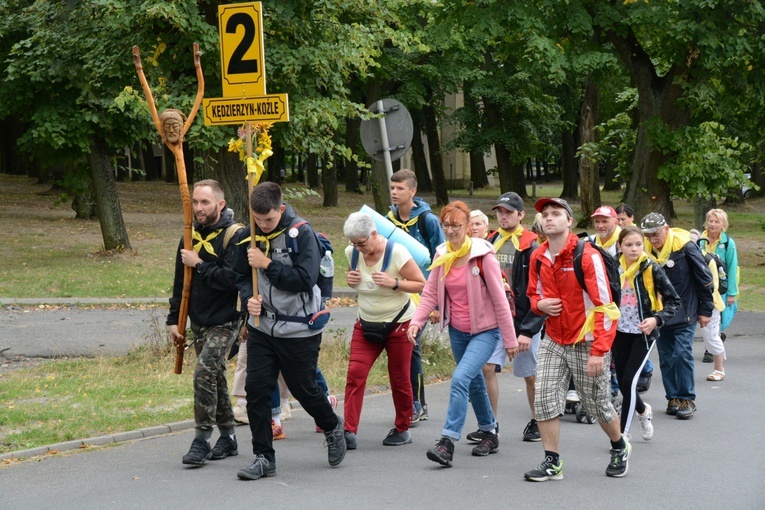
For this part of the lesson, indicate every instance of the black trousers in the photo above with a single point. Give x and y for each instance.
(630, 353)
(296, 358)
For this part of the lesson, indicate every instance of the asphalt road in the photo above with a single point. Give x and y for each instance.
(710, 461)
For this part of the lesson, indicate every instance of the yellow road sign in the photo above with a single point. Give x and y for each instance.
(225, 110)
(243, 66)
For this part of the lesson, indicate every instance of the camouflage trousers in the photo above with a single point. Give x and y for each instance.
(212, 403)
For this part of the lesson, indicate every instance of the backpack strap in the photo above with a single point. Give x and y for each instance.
(387, 254)
(231, 230)
(422, 225)
(354, 259)
(578, 271)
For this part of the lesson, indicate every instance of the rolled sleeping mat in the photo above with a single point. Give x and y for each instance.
(388, 230)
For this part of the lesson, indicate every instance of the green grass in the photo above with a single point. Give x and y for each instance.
(67, 399)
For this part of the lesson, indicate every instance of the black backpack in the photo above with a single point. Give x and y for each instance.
(612, 268)
(722, 270)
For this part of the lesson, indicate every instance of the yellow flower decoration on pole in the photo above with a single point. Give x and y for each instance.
(263, 151)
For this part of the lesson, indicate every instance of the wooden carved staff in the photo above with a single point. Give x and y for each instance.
(172, 125)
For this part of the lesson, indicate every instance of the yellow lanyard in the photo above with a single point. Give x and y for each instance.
(265, 239)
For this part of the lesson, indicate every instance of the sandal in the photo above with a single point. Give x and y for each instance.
(716, 376)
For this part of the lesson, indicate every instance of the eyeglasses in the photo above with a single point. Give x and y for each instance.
(454, 227)
(655, 235)
(359, 245)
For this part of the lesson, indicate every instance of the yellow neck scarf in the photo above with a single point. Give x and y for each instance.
(402, 224)
(448, 258)
(676, 239)
(631, 272)
(504, 235)
(204, 243)
(611, 240)
(264, 239)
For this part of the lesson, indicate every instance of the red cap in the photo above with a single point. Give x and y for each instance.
(605, 210)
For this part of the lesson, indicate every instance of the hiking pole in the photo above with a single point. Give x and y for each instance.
(168, 126)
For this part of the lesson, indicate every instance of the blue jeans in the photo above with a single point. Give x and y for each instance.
(471, 352)
(675, 348)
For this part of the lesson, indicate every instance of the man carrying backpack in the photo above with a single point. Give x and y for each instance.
(580, 328)
(684, 264)
(412, 214)
(215, 320)
(289, 305)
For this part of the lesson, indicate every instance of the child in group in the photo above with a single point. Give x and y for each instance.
(648, 301)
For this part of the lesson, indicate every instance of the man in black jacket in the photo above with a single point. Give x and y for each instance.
(214, 320)
(291, 316)
(690, 276)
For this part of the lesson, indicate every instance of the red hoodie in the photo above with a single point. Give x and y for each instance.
(556, 279)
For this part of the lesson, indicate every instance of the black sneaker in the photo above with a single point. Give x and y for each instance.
(546, 471)
(335, 440)
(479, 435)
(490, 444)
(396, 438)
(531, 432)
(617, 468)
(686, 410)
(225, 447)
(707, 358)
(673, 405)
(350, 440)
(198, 453)
(416, 413)
(443, 452)
(258, 468)
(644, 383)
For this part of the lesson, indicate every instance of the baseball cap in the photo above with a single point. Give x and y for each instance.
(558, 202)
(605, 210)
(510, 201)
(652, 222)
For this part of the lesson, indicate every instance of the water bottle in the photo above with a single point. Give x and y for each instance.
(327, 275)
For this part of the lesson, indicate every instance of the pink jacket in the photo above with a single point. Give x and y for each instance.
(487, 303)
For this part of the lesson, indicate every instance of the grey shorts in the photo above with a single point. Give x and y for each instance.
(499, 356)
(556, 365)
(525, 363)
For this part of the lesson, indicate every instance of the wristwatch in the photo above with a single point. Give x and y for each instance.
(395, 287)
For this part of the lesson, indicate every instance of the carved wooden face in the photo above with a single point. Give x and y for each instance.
(171, 129)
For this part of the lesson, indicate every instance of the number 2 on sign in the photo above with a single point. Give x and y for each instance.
(238, 64)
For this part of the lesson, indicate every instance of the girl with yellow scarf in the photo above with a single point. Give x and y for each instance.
(648, 301)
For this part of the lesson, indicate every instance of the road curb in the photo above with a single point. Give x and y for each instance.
(83, 444)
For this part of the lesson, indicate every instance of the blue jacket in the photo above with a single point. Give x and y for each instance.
(434, 236)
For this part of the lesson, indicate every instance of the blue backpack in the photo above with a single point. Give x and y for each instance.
(386, 256)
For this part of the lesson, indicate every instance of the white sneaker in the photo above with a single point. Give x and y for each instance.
(286, 411)
(646, 427)
(572, 396)
(240, 415)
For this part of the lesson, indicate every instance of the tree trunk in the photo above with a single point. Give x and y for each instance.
(329, 183)
(276, 163)
(700, 207)
(587, 167)
(313, 171)
(83, 197)
(569, 167)
(107, 199)
(502, 155)
(611, 181)
(478, 175)
(658, 100)
(352, 141)
(434, 151)
(230, 174)
(378, 180)
(518, 174)
(420, 161)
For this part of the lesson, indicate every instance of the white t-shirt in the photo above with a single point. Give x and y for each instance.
(382, 304)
